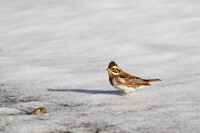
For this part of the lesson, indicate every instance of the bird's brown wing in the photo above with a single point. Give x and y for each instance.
(133, 79)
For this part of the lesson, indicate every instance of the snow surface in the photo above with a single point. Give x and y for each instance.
(54, 54)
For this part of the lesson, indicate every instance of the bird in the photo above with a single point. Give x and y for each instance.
(124, 81)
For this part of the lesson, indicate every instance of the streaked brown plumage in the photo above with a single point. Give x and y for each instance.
(124, 81)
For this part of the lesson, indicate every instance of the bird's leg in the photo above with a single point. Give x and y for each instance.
(126, 94)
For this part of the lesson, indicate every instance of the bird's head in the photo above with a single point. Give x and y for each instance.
(113, 69)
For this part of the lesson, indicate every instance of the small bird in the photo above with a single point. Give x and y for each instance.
(124, 81)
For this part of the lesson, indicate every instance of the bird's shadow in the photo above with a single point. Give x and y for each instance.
(112, 92)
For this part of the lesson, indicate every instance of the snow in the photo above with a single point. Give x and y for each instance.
(54, 54)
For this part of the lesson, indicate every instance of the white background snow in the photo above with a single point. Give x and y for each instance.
(53, 54)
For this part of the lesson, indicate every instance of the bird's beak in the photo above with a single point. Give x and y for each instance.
(107, 69)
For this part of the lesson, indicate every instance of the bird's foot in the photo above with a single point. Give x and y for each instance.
(126, 94)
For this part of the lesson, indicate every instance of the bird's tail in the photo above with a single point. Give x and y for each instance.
(152, 80)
